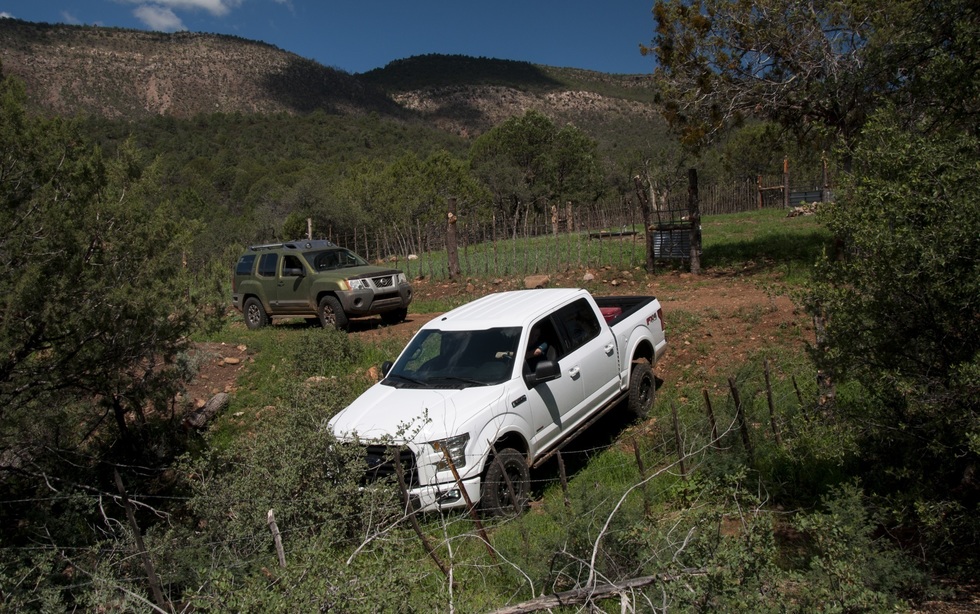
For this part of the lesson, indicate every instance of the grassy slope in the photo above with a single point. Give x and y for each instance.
(752, 262)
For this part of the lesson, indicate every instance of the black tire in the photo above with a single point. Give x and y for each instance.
(495, 496)
(254, 312)
(331, 313)
(643, 390)
(395, 316)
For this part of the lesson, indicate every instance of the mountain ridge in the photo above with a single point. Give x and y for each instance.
(124, 74)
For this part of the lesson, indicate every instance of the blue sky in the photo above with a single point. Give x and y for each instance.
(358, 35)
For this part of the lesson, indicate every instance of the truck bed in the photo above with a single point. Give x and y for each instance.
(628, 304)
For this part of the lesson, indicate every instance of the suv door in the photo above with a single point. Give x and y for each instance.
(266, 273)
(293, 287)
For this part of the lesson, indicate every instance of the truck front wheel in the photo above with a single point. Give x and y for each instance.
(255, 315)
(643, 390)
(331, 313)
(508, 470)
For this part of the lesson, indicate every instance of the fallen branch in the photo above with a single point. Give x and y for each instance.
(587, 594)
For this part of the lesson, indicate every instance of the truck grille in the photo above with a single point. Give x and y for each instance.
(383, 282)
(380, 465)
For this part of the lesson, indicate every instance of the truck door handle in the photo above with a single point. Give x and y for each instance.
(574, 372)
(609, 349)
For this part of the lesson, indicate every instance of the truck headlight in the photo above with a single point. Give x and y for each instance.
(358, 284)
(455, 446)
(401, 279)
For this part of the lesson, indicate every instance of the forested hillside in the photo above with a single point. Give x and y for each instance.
(129, 74)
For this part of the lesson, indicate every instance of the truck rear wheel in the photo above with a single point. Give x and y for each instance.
(643, 390)
(331, 313)
(255, 315)
(507, 470)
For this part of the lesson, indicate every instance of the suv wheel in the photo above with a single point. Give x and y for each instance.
(255, 315)
(331, 313)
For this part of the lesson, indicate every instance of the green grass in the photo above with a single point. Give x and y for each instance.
(753, 241)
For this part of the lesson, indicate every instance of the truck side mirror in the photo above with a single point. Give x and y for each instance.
(386, 367)
(544, 371)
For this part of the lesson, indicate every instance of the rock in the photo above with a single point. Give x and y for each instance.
(588, 277)
(536, 281)
(231, 360)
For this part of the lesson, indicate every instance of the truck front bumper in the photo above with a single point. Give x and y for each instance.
(370, 302)
(445, 496)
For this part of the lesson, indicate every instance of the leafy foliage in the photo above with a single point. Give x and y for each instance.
(901, 306)
(821, 66)
(528, 161)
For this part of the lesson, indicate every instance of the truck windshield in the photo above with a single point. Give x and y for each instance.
(456, 359)
(335, 258)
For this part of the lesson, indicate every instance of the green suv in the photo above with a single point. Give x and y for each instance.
(316, 279)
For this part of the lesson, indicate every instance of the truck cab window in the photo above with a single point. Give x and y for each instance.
(580, 323)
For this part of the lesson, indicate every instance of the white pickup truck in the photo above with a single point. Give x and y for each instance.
(489, 390)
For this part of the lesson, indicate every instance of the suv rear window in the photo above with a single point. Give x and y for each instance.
(267, 265)
(244, 266)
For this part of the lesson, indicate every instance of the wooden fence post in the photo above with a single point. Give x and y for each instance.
(711, 419)
(151, 575)
(270, 518)
(740, 416)
(694, 215)
(469, 505)
(643, 476)
(786, 183)
(452, 250)
(400, 472)
(564, 480)
(772, 409)
(677, 441)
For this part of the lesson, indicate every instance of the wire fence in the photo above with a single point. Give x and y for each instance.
(546, 242)
(762, 409)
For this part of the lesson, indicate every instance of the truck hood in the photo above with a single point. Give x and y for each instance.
(412, 414)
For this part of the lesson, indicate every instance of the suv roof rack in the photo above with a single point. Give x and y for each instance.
(302, 244)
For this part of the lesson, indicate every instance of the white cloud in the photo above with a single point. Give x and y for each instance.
(218, 8)
(6, 15)
(69, 18)
(159, 18)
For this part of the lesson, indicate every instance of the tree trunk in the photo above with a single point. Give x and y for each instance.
(200, 418)
(694, 216)
(452, 250)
